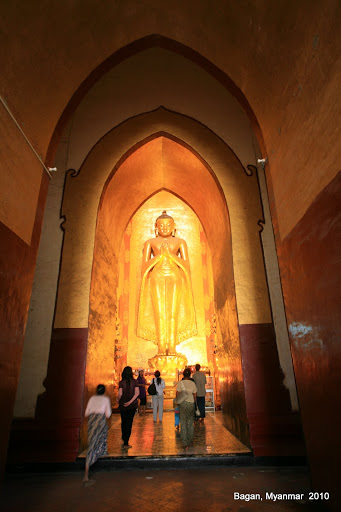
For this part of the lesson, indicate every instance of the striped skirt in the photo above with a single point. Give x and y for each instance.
(97, 437)
(186, 422)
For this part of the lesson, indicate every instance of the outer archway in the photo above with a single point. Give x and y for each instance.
(83, 191)
(139, 45)
(80, 207)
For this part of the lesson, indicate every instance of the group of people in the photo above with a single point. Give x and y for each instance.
(132, 395)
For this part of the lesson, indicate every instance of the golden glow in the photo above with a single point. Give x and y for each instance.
(188, 227)
(159, 164)
(166, 313)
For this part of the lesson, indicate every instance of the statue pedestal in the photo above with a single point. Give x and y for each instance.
(168, 365)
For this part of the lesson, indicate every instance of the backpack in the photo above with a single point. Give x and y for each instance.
(152, 389)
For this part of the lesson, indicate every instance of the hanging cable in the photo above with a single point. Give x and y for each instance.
(47, 169)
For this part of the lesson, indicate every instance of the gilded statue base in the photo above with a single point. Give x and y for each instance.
(168, 364)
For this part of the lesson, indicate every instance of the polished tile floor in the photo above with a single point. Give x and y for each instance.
(150, 439)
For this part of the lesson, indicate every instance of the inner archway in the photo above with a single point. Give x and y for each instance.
(163, 164)
(133, 349)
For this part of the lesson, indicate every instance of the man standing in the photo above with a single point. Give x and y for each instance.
(200, 381)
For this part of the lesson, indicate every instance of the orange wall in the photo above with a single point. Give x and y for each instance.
(17, 263)
(20, 179)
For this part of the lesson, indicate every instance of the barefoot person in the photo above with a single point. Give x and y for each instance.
(97, 410)
(200, 381)
(187, 408)
(128, 392)
(143, 394)
(157, 400)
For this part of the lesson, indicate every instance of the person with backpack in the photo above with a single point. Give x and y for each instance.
(157, 400)
(128, 392)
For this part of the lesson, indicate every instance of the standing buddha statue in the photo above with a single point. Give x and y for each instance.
(166, 313)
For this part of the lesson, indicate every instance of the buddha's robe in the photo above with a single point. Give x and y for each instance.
(166, 308)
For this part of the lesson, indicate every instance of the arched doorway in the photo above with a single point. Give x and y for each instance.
(80, 203)
(162, 164)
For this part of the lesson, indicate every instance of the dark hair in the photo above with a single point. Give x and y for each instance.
(127, 373)
(187, 373)
(158, 378)
(128, 378)
(100, 389)
(197, 367)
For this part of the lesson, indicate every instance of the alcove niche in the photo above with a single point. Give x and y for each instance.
(158, 175)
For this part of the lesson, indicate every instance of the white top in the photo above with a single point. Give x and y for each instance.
(189, 386)
(99, 404)
(159, 387)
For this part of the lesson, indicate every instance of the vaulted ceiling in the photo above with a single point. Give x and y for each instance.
(282, 67)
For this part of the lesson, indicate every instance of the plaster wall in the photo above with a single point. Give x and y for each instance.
(42, 303)
(276, 295)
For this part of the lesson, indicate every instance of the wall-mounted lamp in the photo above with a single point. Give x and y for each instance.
(262, 161)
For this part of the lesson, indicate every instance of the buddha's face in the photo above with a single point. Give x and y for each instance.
(165, 226)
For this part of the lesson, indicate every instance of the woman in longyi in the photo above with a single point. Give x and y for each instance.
(166, 292)
(98, 410)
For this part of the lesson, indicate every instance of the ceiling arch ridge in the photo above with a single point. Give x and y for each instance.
(181, 142)
(113, 149)
(139, 45)
(248, 170)
(182, 198)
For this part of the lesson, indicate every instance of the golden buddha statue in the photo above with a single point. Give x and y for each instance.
(166, 313)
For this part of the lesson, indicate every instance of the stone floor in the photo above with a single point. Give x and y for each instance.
(193, 490)
(149, 438)
(218, 488)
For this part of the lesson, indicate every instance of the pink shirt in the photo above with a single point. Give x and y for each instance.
(98, 404)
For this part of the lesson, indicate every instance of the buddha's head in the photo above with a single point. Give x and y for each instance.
(164, 224)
